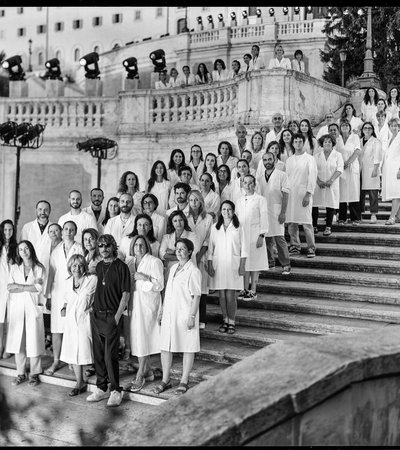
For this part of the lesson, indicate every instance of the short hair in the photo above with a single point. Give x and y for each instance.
(251, 176)
(326, 136)
(185, 66)
(183, 186)
(278, 45)
(97, 189)
(333, 125)
(182, 168)
(248, 55)
(298, 136)
(80, 259)
(238, 63)
(298, 52)
(221, 62)
(43, 201)
(74, 190)
(381, 114)
(269, 153)
(187, 243)
(125, 193)
(256, 46)
(73, 223)
(149, 195)
(54, 224)
(146, 241)
(109, 240)
(394, 120)
(344, 122)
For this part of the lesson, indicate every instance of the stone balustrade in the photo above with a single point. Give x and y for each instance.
(305, 27)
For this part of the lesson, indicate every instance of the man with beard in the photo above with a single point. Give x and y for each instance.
(181, 199)
(94, 209)
(273, 185)
(241, 134)
(81, 218)
(185, 176)
(123, 224)
(275, 133)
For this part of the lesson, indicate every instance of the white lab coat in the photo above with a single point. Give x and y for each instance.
(349, 181)
(146, 303)
(173, 177)
(368, 111)
(272, 191)
(272, 136)
(4, 274)
(118, 229)
(220, 76)
(226, 193)
(161, 191)
(302, 176)
(257, 63)
(24, 308)
(58, 283)
(252, 212)
(225, 250)
(196, 172)
(102, 216)
(371, 154)
(175, 335)
(284, 63)
(212, 202)
(82, 220)
(125, 248)
(77, 347)
(202, 230)
(328, 197)
(237, 191)
(230, 162)
(308, 149)
(391, 165)
(159, 225)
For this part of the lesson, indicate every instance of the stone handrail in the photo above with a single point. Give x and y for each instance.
(294, 28)
(204, 37)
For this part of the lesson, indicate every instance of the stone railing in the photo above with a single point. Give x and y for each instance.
(260, 31)
(296, 28)
(204, 37)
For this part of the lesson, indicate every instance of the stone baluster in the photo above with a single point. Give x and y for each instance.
(190, 108)
(175, 107)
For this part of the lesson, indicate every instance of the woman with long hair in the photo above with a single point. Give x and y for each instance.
(369, 104)
(196, 162)
(176, 160)
(224, 189)
(286, 148)
(203, 76)
(257, 148)
(112, 210)
(393, 100)
(159, 222)
(226, 263)
(219, 73)
(8, 255)
(211, 198)
(159, 185)
(310, 144)
(129, 183)
(25, 336)
(294, 126)
(349, 114)
(211, 166)
(243, 169)
(225, 155)
(235, 71)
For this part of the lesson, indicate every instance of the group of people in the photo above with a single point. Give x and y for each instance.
(251, 61)
(139, 270)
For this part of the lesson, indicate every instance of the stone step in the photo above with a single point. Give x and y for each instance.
(355, 237)
(364, 227)
(276, 287)
(294, 322)
(323, 275)
(225, 352)
(380, 215)
(347, 264)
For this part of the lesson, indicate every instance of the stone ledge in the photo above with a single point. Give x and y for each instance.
(273, 385)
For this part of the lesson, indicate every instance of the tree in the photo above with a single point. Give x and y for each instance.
(347, 28)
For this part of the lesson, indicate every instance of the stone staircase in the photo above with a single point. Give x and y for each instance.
(350, 286)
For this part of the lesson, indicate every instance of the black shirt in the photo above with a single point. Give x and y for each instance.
(116, 278)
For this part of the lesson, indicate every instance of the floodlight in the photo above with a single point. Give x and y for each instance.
(158, 59)
(131, 67)
(14, 62)
(53, 69)
(91, 59)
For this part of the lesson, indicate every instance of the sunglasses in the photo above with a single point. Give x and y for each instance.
(104, 245)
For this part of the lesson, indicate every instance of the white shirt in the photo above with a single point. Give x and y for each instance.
(119, 228)
(82, 220)
(284, 63)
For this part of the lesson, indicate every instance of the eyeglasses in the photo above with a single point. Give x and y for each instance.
(367, 128)
(329, 117)
(148, 203)
(104, 245)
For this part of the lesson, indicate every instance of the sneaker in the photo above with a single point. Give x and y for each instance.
(286, 270)
(327, 231)
(373, 218)
(310, 253)
(294, 250)
(34, 380)
(341, 222)
(115, 398)
(18, 380)
(251, 295)
(356, 222)
(242, 294)
(315, 230)
(98, 395)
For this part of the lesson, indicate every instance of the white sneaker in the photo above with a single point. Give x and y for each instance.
(98, 395)
(373, 218)
(115, 398)
(202, 325)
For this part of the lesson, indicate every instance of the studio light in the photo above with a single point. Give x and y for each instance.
(14, 62)
(199, 20)
(88, 60)
(7, 131)
(285, 10)
(158, 59)
(53, 69)
(220, 17)
(131, 68)
(258, 12)
(32, 134)
(233, 15)
(271, 12)
(21, 135)
(296, 9)
(98, 147)
(244, 14)
(210, 19)
(233, 19)
(309, 9)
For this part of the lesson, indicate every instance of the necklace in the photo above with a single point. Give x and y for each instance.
(105, 274)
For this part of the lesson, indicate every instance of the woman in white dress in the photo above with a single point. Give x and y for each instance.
(200, 222)
(224, 189)
(349, 181)
(235, 71)
(176, 160)
(211, 198)
(8, 254)
(174, 78)
(203, 76)
(370, 160)
(226, 263)
(219, 73)
(391, 171)
(149, 205)
(129, 183)
(243, 169)
(349, 114)
(279, 62)
(225, 155)
(147, 282)
(159, 185)
(196, 162)
(179, 316)
(298, 62)
(78, 299)
(326, 194)
(112, 210)
(310, 144)
(257, 148)
(369, 105)
(56, 287)
(393, 100)
(286, 148)
(211, 167)
(25, 336)
(252, 212)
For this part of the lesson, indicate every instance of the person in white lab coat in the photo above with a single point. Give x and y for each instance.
(159, 185)
(196, 162)
(327, 192)
(56, 287)
(147, 282)
(211, 198)
(78, 299)
(179, 316)
(224, 189)
(121, 225)
(95, 209)
(301, 170)
(25, 335)
(219, 73)
(149, 205)
(279, 62)
(252, 212)
(129, 184)
(273, 185)
(8, 255)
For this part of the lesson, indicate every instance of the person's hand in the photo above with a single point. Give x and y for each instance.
(116, 318)
(282, 217)
(328, 183)
(241, 269)
(48, 304)
(211, 270)
(259, 242)
(320, 183)
(398, 174)
(190, 322)
(198, 260)
(38, 281)
(306, 200)
(346, 165)
(63, 311)
(140, 276)
(374, 173)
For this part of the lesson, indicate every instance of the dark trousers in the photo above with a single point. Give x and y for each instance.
(105, 335)
(373, 200)
(329, 216)
(203, 308)
(355, 211)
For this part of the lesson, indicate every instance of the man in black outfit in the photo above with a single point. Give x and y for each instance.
(110, 300)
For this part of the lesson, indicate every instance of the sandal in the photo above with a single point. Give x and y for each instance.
(34, 380)
(390, 221)
(223, 328)
(182, 388)
(162, 387)
(50, 371)
(231, 328)
(137, 384)
(18, 380)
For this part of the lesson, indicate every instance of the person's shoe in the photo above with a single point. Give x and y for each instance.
(286, 270)
(242, 294)
(294, 250)
(34, 380)
(251, 295)
(149, 376)
(315, 230)
(202, 325)
(310, 253)
(390, 221)
(327, 231)
(373, 218)
(115, 398)
(18, 380)
(137, 384)
(98, 395)
(77, 391)
(356, 222)
(340, 222)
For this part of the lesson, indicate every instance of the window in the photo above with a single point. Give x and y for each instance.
(20, 10)
(41, 29)
(77, 24)
(21, 32)
(252, 10)
(181, 25)
(59, 26)
(138, 14)
(40, 59)
(97, 21)
(159, 12)
(117, 18)
(2, 13)
(77, 54)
